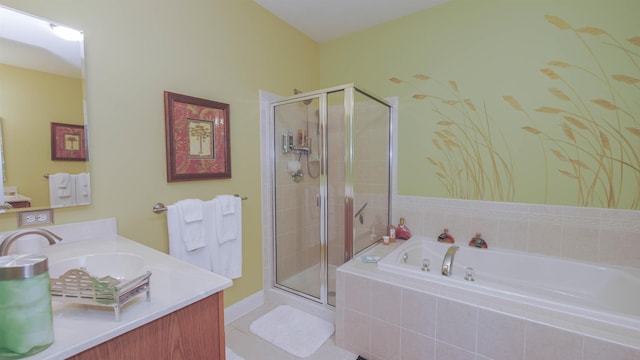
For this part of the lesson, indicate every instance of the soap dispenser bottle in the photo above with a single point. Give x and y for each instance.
(402, 231)
(446, 237)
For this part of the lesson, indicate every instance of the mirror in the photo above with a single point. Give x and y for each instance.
(42, 107)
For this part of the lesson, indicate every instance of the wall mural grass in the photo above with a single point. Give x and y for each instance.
(591, 140)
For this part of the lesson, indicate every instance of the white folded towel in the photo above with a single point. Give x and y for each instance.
(61, 190)
(83, 189)
(200, 257)
(230, 214)
(63, 184)
(191, 226)
(226, 256)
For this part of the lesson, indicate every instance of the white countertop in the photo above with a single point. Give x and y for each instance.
(174, 285)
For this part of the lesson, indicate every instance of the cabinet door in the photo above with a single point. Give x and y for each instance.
(193, 332)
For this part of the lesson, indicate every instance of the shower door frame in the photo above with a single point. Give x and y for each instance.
(349, 230)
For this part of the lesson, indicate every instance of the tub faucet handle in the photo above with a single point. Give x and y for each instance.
(425, 265)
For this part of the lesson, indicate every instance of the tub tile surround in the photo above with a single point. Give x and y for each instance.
(393, 318)
(436, 323)
(606, 236)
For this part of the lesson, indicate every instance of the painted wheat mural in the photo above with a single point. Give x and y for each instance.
(588, 133)
(473, 160)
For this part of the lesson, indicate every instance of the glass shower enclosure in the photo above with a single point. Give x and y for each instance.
(331, 177)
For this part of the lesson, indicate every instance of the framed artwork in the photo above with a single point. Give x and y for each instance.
(198, 138)
(68, 142)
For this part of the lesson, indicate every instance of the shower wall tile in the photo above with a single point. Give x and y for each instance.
(512, 234)
(546, 342)
(419, 312)
(446, 351)
(545, 238)
(358, 294)
(457, 324)
(385, 340)
(357, 333)
(580, 242)
(607, 236)
(386, 302)
(415, 346)
(595, 349)
(500, 337)
(620, 247)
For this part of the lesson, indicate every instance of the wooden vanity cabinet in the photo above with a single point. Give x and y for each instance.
(193, 332)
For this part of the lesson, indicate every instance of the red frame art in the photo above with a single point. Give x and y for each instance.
(68, 142)
(198, 138)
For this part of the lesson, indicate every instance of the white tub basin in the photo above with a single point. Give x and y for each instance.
(118, 265)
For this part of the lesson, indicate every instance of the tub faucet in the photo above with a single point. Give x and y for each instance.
(9, 240)
(447, 262)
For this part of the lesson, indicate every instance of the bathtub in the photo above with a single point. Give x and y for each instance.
(585, 290)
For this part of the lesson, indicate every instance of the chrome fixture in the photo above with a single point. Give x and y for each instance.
(359, 215)
(9, 240)
(159, 208)
(469, 273)
(425, 265)
(447, 262)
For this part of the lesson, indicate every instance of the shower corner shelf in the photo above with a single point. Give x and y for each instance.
(79, 287)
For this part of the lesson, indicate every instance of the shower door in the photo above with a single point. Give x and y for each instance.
(331, 185)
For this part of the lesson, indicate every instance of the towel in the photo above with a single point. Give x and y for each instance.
(230, 210)
(200, 257)
(63, 184)
(61, 190)
(191, 226)
(83, 189)
(226, 256)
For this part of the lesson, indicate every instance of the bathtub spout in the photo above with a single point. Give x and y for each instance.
(447, 262)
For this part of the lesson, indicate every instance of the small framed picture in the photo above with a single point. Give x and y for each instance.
(68, 142)
(198, 139)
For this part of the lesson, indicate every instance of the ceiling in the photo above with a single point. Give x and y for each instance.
(28, 42)
(326, 20)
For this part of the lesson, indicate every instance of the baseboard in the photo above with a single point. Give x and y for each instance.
(243, 307)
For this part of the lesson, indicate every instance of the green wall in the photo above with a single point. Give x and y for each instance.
(221, 50)
(531, 101)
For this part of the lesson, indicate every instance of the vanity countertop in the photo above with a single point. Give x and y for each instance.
(174, 285)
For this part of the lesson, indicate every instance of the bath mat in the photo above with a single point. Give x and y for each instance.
(294, 331)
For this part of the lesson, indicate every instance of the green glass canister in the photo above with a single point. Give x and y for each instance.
(26, 317)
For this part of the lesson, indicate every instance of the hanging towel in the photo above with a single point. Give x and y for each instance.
(226, 258)
(61, 190)
(229, 217)
(63, 184)
(191, 225)
(83, 189)
(200, 257)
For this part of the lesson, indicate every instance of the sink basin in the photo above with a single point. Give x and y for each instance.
(120, 266)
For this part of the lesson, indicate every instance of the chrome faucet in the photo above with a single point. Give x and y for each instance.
(447, 262)
(9, 240)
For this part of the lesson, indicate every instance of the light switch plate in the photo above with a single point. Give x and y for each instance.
(35, 218)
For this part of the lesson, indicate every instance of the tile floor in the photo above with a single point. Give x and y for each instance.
(251, 347)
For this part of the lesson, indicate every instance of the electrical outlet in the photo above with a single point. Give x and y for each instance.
(35, 218)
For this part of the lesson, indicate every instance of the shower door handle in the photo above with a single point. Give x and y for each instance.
(318, 200)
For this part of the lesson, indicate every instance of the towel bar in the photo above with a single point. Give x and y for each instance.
(160, 207)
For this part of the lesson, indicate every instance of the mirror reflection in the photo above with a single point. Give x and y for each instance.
(42, 112)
